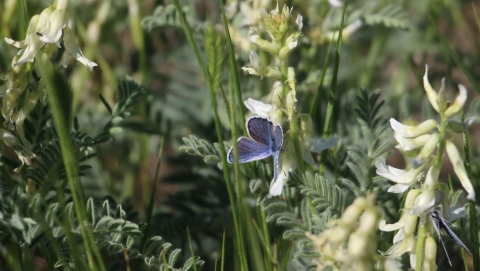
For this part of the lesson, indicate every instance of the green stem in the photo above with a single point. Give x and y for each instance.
(218, 129)
(316, 98)
(422, 230)
(54, 82)
(146, 233)
(236, 80)
(327, 129)
(294, 127)
(472, 212)
(442, 142)
(236, 171)
(191, 249)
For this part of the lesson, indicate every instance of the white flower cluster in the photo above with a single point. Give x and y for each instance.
(426, 138)
(50, 27)
(357, 225)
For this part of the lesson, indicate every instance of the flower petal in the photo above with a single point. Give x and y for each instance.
(71, 48)
(412, 131)
(276, 186)
(56, 22)
(459, 169)
(383, 226)
(458, 104)
(398, 188)
(258, 108)
(431, 93)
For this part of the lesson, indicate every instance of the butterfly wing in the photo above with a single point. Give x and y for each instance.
(260, 130)
(444, 224)
(277, 137)
(249, 150)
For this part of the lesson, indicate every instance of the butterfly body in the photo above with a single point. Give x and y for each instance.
(265, 140)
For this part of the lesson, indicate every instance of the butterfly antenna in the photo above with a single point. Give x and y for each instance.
(436, 222)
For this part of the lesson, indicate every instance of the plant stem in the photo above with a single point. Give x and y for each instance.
(421, 234)
(316, 98)
(236, 169)
(218, 129)
(146, 233)
(60, 118)
(422, 228)
(236, 80)
(191, 249)
(294, 127)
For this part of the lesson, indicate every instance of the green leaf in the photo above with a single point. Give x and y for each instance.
(103, 222)
(151, 244)
(91, 211)
(130, 241)
(173, 257)
(114, 224)
(16, 222)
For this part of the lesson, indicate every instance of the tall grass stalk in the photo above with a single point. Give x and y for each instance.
(54, 85)
(234, 71)
(316, 98)
(327, 128)
(472, 211)
(218, 128)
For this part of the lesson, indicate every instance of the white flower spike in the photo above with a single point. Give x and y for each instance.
(459, 169)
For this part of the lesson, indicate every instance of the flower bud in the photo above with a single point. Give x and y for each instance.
(427, 150)
(264, 45)
(272, 72)
(441, 100)
(255, 61)
(408, 144)
(291, 101)
(290, 44)
(291, 78)
(430, 254)
(431, 94)
(460, 127)
(299, 22)
(458, 104)
(459, 169)
(353, 212)
(413, 131)
(278, 96)
(56, 22)
(426, 200)
(412, 198)
(264, 18)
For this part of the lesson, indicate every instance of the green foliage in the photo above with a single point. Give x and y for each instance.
(391, 15)
(113, 170)
(164, 17)
(376, 138)
(200, 147)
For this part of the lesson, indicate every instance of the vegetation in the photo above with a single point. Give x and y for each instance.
(122, 145)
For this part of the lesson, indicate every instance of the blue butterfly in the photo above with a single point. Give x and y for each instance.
(265, 140)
